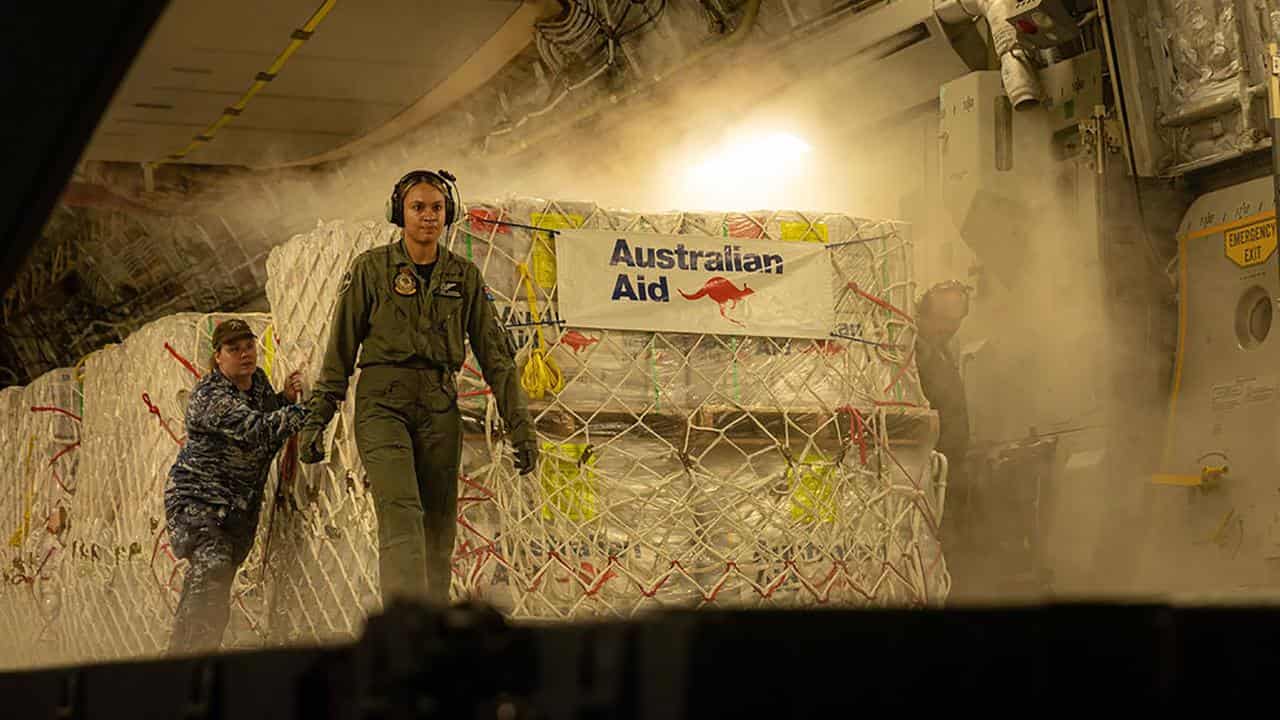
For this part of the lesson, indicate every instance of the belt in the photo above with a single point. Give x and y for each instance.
(415, 364)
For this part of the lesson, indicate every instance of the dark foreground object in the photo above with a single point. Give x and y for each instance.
(468, 663)
(57, 76)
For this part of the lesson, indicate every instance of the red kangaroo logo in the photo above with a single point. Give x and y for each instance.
(577, 341)
(722, 290)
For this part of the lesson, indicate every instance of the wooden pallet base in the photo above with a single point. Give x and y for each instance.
(746, 428)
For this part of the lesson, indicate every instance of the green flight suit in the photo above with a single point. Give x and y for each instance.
(407, 426)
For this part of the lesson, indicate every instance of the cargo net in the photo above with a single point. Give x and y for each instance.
(677, 470)
(325, 531)
(90, 575)
(41, 447)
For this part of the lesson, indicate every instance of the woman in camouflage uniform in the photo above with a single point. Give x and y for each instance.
(235, 425)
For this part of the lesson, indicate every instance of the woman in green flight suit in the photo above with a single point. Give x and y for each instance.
(406, 308)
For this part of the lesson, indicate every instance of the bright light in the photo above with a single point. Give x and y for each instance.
(751, 173)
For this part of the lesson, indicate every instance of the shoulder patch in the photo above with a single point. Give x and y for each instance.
(488, 293)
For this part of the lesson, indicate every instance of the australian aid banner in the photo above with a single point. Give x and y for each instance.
(690, 284)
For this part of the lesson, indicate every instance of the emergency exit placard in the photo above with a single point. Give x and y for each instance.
(1251, 244)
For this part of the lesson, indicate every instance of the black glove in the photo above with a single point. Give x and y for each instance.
(311, 448)
(526, 458)
(322, 409)
(311, 439)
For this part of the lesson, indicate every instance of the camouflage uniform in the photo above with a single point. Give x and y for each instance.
(408, 428)
(214, 494)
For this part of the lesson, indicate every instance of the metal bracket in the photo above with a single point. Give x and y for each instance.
(1093, 138)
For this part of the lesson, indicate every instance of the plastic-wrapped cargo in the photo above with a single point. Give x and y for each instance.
(302, 282)
(13, 454)
(122, 580)
(599, 520)
(16, 601)
(13, 457)
(108, 588)
(41, 438)
(678, 469)
(791, 491)
(628, 369)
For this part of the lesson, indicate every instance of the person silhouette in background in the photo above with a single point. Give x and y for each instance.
(939, 314)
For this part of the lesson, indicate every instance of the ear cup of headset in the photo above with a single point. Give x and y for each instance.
(395, 204)
(452, 199)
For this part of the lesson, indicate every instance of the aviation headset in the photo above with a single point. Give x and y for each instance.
(442, 180)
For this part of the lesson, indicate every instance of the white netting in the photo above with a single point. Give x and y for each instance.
(120, 583)
(684, 470)
(678, 469)
(701, 469)
(325, 529)
(110, 596)
(12, 457)
(42, 456)
(15, 607)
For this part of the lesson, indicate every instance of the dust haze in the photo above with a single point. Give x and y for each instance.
(1047, 354)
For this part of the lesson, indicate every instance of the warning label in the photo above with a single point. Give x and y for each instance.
(1226, 397)
(1251, 244)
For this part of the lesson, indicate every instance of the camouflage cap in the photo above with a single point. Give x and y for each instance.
(229, 331)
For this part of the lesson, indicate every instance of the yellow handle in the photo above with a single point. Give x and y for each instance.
(1209, 475)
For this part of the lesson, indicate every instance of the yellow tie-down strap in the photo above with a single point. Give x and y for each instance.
(1209, 476)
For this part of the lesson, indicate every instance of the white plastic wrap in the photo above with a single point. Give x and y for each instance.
(121, 580)
(42, 447)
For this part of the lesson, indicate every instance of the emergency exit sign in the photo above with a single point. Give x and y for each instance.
(1251, 244)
